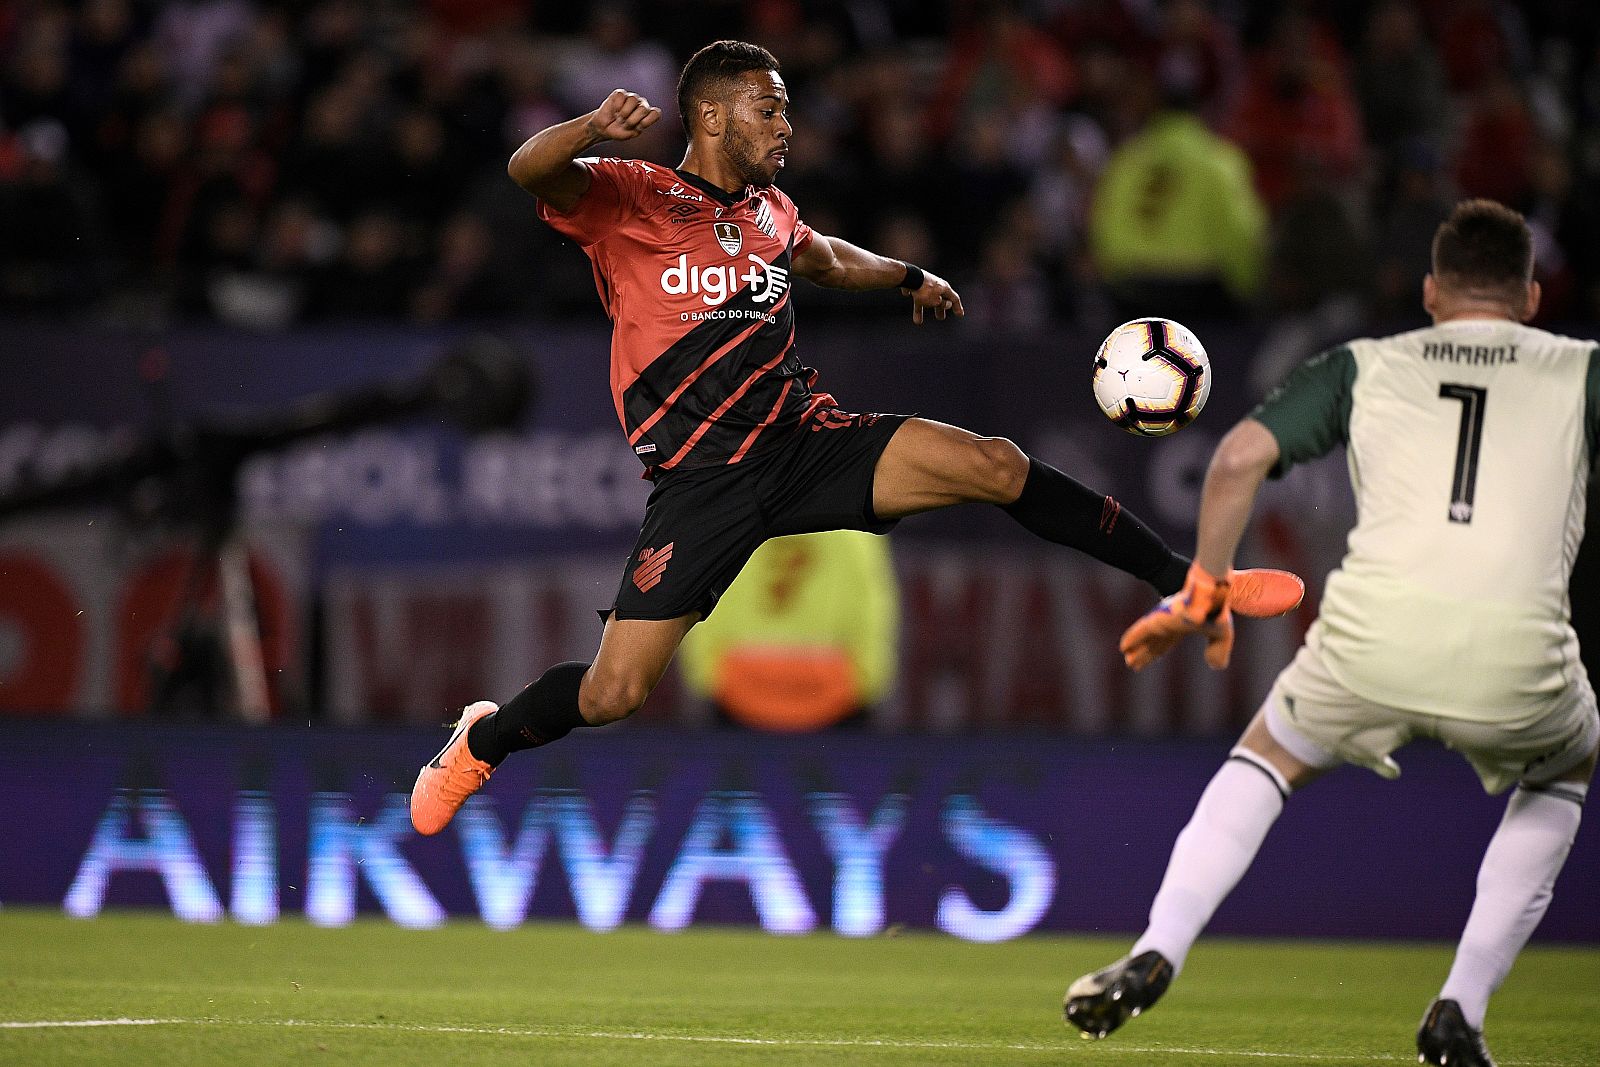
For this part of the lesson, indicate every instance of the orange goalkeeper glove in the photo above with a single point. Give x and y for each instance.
(1201, 606)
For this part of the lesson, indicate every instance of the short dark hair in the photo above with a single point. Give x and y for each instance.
(719, 61)
(1483, 246)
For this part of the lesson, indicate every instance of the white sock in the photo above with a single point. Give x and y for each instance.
(1212, 853)
(1519, 869)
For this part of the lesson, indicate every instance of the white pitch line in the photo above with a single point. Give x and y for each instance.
(1100, 1048)
(51, 1024)
(807, 1042)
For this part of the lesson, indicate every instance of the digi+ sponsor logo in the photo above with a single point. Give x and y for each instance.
(767, 281)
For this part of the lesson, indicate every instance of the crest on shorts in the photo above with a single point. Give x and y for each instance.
(652, 566)
(729, 236)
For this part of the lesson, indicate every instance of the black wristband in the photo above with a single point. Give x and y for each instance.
(914, 277)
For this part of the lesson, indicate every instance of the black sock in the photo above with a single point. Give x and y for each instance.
(545, 711)
(1064, 510)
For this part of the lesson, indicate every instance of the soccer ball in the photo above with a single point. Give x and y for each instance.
(1151, 377)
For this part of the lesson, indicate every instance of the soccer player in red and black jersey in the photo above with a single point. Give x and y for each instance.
(695, 268)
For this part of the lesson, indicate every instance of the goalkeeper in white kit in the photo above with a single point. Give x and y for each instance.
(1470, 446)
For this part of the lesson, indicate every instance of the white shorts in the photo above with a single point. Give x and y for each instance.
(1322, 724)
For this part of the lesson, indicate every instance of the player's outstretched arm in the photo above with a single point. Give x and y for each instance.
(544, 164)
(838, 264)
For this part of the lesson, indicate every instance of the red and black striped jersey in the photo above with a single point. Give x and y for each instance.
(696, 282)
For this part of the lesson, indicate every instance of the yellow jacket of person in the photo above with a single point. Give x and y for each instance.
(807, 633)
(1177, 201)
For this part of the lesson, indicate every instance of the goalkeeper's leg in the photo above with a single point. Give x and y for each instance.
(1515, 883)
(1212, 853)
(1244, 799)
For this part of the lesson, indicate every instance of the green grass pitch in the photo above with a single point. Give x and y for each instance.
(551, 994)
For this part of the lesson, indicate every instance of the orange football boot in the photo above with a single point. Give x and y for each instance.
(1262, 593)
(451, 777)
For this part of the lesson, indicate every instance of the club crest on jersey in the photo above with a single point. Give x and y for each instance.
(729, 236)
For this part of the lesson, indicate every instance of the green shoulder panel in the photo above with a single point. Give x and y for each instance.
(1591, 406)
(1309, 412)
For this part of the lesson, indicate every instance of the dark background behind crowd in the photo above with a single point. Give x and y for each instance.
(266, 163)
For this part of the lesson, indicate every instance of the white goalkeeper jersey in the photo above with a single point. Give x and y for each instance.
(1470, 446)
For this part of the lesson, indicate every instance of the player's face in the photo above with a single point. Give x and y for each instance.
(757, 136)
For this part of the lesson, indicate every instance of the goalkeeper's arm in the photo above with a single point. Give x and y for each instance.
(1237, 469)
(1238, 466)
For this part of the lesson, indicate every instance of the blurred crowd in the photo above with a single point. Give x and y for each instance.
(272, 162)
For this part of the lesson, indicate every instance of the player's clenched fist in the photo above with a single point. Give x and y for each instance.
(623, 116)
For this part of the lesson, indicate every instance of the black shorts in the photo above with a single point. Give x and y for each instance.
(701, 525)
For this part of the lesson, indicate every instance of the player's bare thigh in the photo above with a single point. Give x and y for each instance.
(930, 465)
(1258, 739)
(633, 655)
(1583, 771)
